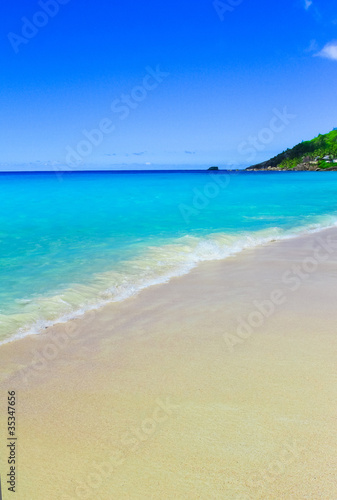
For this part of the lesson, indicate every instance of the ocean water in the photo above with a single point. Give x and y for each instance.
(75, 241)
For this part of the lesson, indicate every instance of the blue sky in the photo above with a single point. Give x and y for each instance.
(157, 84)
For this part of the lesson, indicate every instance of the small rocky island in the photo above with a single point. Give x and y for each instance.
(213, 168)
(316, 155)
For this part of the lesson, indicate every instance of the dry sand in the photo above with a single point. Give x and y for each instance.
(166, 396)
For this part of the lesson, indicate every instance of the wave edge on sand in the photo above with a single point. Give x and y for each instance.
(157, 266)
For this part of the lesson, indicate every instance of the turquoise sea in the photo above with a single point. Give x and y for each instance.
(74, 241)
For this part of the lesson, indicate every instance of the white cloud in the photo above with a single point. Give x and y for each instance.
(307, 4)
(329, 51)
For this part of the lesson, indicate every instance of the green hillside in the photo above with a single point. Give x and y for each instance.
(306, 155)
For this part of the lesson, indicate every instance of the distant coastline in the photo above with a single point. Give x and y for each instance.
(319, 154)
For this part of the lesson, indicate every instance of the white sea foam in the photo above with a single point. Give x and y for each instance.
(157, 265)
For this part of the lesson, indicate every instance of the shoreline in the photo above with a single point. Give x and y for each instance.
(159, 280)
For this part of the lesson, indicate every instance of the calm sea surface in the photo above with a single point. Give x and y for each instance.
(71, 242)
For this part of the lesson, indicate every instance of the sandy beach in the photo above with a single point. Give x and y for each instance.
(220, 384)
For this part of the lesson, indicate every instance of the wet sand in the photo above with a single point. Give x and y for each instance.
(220, 384)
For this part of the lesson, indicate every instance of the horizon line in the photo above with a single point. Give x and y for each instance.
(56, 172)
